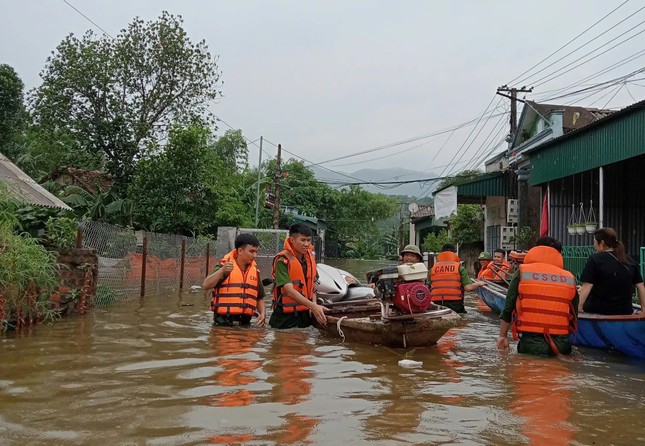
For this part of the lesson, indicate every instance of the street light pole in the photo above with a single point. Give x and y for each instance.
(257, 198)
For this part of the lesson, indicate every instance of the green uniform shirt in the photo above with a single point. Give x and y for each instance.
(458, 305)
(280, 319)
(534, 343)
(227, 319)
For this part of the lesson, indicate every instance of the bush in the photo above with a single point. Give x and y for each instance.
(61, 232)
(28, 272)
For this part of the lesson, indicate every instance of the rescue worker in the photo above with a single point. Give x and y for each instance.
(449, 279)
(541, 303)
(410, 254)
(485, 259)
(500, 264)
(237, 290)
(294, 273)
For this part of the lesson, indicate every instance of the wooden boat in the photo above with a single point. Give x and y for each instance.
(623, 333)
(493, 295)
(373, 322)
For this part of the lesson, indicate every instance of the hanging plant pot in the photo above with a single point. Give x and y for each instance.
(571, 229)
(591, 226)
(581, 229)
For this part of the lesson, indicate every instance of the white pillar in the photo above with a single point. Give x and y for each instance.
(413, 234)
(601, 197)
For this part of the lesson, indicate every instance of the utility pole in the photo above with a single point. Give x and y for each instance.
(513, 97)
(257, 198)
(522, 174)
(276, 205)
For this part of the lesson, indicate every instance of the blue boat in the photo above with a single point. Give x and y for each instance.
(493, 295)
(624, 333)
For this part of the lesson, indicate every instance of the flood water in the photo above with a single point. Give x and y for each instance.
(156, 372)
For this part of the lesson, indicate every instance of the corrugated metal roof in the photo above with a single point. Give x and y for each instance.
(617, 137)
(488, 184)
(24, 188)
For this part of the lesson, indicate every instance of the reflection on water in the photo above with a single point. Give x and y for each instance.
(156, 372)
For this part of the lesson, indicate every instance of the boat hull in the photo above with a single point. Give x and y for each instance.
(368, 326)
(494, 298)
(624, 333)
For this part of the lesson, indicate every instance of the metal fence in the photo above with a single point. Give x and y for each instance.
(575, 258)
(271, 243)
(132, 264)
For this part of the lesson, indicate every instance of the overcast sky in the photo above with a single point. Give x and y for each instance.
(329, 78)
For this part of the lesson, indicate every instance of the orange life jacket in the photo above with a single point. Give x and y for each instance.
(546, 292)
(445, 279)
(303, 285)
(494, 271)
(238, 292)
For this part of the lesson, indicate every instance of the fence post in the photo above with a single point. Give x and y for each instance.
(208, 257)
(79, 238)
(183, 260)
(144, 260)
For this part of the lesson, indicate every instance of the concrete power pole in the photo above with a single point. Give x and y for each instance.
(278, 175)
(257, 197)
(513, 97)
(522, 175)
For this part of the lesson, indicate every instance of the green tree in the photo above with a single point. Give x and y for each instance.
(433, 242)
(232, 150)
(466, 226)
(171, 188)
(12, 113)
(113, 98)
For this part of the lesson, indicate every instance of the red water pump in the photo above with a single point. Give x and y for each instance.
(412, 297)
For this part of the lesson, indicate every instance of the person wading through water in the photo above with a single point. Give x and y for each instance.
(449, 279)
(541, 303)
(294, 273)
(237, 290)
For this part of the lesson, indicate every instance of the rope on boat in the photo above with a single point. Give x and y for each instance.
(340, 332)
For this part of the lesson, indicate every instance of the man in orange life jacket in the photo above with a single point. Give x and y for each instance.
(449, 279)
(294, 272)
(237, 290)
(541, 303)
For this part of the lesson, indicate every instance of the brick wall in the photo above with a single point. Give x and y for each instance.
(78, 279)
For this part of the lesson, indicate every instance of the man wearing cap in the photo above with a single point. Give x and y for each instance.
(449, 279)
(410, 254)
(485, 259)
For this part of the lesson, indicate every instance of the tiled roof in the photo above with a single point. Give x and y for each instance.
(24, 188)
(426, 210)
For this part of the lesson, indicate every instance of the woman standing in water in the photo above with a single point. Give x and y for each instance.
(609, 277)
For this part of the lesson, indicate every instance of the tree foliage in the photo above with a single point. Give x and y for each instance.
(433, 242)
(113, 98)
(12, 113)
(171, 188)
(467, 225)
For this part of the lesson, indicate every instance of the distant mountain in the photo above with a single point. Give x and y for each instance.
(373, 175)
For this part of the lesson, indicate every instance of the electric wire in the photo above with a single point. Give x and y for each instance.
(515, 80)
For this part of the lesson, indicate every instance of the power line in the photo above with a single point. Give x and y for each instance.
(88, 19)
(566, 44)
(549, 77)
(397, 143)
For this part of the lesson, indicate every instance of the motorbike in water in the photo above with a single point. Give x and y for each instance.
(395, 310)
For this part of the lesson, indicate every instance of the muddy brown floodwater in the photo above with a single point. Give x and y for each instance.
(156, 372)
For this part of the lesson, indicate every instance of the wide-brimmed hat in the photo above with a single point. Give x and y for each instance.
(485, 256)
(414, 249)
